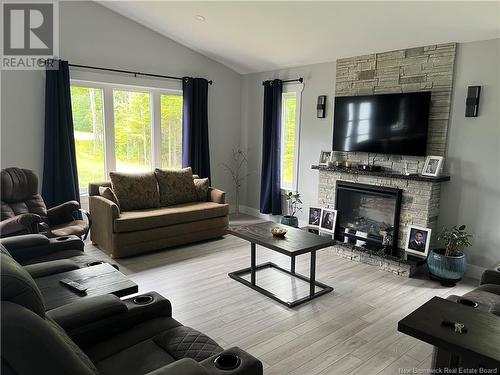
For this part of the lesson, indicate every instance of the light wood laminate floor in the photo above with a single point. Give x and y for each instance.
(349, 331)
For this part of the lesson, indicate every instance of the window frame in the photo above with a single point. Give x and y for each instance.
(289, 90)
(109, 118)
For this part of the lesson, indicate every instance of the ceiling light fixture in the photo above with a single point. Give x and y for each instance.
(200, 18)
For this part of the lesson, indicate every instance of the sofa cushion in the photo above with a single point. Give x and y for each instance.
(201, 185)
(161, 217)
(176, 186)
(135, 191)
(108, 193)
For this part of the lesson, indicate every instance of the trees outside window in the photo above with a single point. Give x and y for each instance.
(88, 122)
(290, 126)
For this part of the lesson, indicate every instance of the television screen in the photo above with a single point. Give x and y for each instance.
(384, 124)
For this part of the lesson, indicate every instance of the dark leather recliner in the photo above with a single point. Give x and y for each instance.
(23, 209)
(42, 256)
(486, 297)
(102, 335)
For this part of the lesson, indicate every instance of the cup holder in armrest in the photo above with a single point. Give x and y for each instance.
(64, 238)
(468, 302)
(95, 263)
(227, 361)
(145, 299)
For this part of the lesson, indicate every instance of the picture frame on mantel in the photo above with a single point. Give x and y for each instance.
(325, 157)
(433, 166)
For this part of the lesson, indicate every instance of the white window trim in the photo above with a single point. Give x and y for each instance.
(297, 89)
(109, 120)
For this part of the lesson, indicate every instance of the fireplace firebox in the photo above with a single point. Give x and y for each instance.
(368, 216)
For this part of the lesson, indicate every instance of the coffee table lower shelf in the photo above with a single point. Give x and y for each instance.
(237, 275)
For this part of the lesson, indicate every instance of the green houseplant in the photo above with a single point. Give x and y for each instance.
(294, 205)
(448, 264)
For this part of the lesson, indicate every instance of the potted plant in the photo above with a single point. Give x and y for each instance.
(448, 264)
(238, 160)
(294, 205)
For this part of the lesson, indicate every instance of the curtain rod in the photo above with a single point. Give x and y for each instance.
(129, 72)
(290, 80)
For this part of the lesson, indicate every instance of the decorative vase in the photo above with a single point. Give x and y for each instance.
(447, 269)
(291, 221)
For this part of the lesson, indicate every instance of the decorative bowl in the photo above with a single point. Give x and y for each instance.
(278, 232)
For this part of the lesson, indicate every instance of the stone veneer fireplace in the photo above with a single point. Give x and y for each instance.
(420, 197)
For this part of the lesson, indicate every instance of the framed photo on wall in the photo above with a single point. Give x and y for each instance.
(325, 157)
(433, 166)
(314, 217)
(418, 241)
(328, 220)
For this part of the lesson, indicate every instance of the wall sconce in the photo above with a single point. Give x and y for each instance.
(472, 101)
(321, 106)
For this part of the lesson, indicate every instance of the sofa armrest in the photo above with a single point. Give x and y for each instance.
(216, 195)
(103, 212)
(185, 366)
(99, 330)
(491, 276)
(249, 365)
(87, 310)
(29, 246)
(27, 221)
(62, 213)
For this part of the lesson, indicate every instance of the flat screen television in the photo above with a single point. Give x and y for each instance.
(383, 124)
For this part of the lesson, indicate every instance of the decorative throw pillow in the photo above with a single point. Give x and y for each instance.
(201, 185)
(108, 193)
(176, 186)
(135, 191)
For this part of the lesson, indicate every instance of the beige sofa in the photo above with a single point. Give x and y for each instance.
(126, 233)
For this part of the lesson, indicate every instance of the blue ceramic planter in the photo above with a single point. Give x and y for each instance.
(447, 269)
(291, 221)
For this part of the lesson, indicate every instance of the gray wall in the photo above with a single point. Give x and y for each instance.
(93, 35)
(473, 195)
(315, 134)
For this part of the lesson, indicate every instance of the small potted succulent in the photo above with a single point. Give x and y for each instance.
(448, 264)
(294, 205)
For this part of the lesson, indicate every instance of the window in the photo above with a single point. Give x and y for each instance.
(124, 128)
(87, 106)
(171, 131)
(290, 118)
(132, 131)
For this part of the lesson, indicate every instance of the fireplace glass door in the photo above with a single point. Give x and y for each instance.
(368, 215)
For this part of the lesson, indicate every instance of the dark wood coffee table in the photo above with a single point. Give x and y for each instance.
(99, 279)
(296, 242)
(479, 346)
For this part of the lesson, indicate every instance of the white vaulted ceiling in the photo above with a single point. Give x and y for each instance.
(261, 36)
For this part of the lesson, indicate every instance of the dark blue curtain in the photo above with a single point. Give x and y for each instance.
(195, 150)
(60, 178)
(270, 193)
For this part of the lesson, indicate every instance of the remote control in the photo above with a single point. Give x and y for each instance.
(73, 285)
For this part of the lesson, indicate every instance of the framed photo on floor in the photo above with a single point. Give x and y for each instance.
(418, 241)
(314, 217)
(328, 220)
(433, 166)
